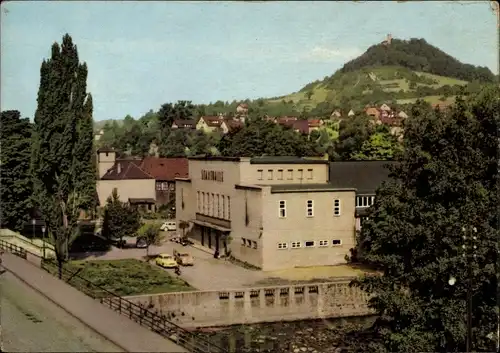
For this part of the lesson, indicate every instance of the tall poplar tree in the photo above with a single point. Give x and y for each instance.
(62, 153)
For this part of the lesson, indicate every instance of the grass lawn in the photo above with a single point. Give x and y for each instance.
(126, 277)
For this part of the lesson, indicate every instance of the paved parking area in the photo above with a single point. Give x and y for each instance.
(217, 274)
(206, 274)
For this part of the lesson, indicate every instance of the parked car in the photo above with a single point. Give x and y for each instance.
(141, 243)
(166, 261)
(169, 225)
(183, 259)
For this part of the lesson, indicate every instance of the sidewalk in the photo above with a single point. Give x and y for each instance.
(116, 328)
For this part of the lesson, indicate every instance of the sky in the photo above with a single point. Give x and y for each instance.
(141, 55)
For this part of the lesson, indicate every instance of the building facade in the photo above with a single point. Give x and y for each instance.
(271, 212)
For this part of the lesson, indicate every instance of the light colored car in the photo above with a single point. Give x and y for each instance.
(183, 259)
(166, 261)
(168, 225)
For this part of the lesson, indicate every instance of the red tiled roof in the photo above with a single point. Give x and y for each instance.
(243, 105)
(166, 169)
(286, 120)
(212, 121)
(301, 126)
(126, 169)
(185, 123)
(314, 122)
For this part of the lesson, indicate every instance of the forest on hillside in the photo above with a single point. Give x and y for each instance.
(418, 55)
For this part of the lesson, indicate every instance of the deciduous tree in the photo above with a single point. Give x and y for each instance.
(448, 180)
(16, 183)
(120, 220)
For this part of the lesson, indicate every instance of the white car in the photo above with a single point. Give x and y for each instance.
(168, 225)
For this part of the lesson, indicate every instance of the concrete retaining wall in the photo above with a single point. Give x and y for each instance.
(254, 305)
(34, 246)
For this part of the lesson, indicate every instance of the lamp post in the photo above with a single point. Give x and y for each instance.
(33, 222)
(468, 251)
(43, 234)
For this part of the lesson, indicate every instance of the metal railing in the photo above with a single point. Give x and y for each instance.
(144, 316)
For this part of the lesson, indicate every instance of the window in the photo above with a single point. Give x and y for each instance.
(269, 174)
(282, 246)
(309, 174)
(309, 244)
(296, 244)
(301, 174)
(203, 203)
(280, 174)
(216, 202)
(164, 185)
(254, 244)
(172, 187)
(282, 209)
(290, 174)
(337, 242)
(212, 204)
(198, 201)
(158, 186)
(336, 207)
(223, 208)
(310, 208)
(228, 207)
(220, 202)
(365, 201)
(323, 243)
(259, 174)
(248, 243)
(243, 241)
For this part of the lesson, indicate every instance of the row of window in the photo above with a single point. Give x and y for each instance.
(280, 174)
(164, 186)
(213, 205)
(309, 244)
(364, 201)
(248, 243)
(310, 208)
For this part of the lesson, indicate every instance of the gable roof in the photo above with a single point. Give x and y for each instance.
(232, 124)
(301, 126)
(166, 169)
(126, 169)
(365, 176)
(185, 123)
(212, 121)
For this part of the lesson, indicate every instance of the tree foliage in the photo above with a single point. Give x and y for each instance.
(16, 183)
(448, 179)
(418, 55)
(62, 170)
(263, 138)
(151, 234)
(120, 219)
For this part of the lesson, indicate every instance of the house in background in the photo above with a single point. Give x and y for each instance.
(336, 115)
(98, 135)
(242, 109)
(209, 123)
(134, 185)
(373, 112)
(314, 124)
(351, 113)
(165, 170)
(184, 124)
(228, 125)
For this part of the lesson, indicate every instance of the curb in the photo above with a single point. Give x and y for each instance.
(65, 309)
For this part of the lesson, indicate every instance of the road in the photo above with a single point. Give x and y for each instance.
(32, 323)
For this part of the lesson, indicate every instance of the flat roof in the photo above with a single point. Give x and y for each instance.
(214, 158)
(286, 160)
(287, 188)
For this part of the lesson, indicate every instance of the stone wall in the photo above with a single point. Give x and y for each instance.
(255, 305)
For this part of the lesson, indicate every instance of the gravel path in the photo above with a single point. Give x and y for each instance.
(31, 323)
